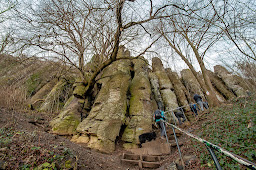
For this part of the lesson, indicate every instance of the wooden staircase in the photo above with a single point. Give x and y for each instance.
(143, 161)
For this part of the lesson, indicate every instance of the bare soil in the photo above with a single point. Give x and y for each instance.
(30, 143)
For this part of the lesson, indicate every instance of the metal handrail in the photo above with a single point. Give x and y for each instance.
(237, 158)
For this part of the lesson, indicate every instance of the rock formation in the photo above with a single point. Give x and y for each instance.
(68, 119)
(166, 87)
(37, 100)
(220, 86)
(124, 98)
(179, 89)
(156, 90)
(191, 83)
(57, 97)
(140, 105)
(230, 80)
(108, 111)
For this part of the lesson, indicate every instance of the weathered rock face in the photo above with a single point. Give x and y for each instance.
(179, 89)
(69, 118)
(79, 88)
(141, 109)
(123, 100)
(108, 111)
(244, 83)
(229, 80)
(156, 90)
(166, 87)
(220, 86)
(56, 99)
(191, 83)
(219, 97)
(39, 97)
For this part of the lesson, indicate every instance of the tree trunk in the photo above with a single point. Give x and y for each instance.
(210, 94)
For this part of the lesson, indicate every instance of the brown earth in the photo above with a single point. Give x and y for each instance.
(30, 142)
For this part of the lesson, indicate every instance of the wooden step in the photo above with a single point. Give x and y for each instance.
(143, 161)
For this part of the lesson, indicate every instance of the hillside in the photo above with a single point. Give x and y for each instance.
(47, 121)
(25, 142)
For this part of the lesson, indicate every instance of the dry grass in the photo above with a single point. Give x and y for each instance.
(12, 97)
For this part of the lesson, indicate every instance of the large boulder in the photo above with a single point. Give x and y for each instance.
(179, 89)
(141, 108)
(230, 80)
(110, 106)
(166, 87)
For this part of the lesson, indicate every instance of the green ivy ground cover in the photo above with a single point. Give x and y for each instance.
(229, 127)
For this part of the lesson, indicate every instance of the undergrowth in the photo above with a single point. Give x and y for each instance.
(230, 128)
(18, 153)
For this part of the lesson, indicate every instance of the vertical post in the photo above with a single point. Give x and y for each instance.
(177, 142)
(165, 132)
(213, 157)
(184, 114)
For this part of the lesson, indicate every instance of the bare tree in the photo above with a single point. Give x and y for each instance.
(6, 37)
(76, 30)
(236, 19)
(186, 33)
(58, 27)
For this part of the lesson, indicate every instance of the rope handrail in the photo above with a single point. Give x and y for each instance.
(179, 107)
(237, 158)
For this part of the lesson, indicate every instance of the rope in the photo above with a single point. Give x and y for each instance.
(171, 110)
(237, 158)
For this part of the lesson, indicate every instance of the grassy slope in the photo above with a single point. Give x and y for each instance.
(227, 127)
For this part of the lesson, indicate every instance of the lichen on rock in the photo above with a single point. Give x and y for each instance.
(166, 87)
(140, 110)
(107, 115)
(68, 119)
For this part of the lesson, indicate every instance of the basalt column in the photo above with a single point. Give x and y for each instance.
(103, 124)
(179, 89)
(220, 86)
(141, 106)
(156, 89)
(216, 92)
(166, 87)
(74, 110)
(229, 80)
(191, 83)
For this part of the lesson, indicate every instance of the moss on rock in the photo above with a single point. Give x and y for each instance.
(107, 115)
(128, 146)
(67, 121)
(66, 125)
(140, 109)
